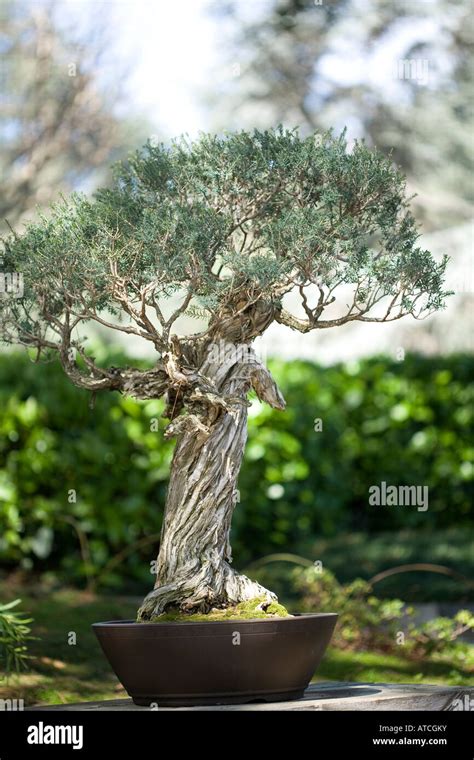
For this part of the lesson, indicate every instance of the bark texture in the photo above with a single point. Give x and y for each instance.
(193, 569)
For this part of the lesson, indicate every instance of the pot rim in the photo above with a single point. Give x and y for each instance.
(296, 616)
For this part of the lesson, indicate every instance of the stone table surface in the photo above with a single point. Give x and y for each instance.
(329, 695)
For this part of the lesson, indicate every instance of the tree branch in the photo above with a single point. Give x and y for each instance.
(265, 386)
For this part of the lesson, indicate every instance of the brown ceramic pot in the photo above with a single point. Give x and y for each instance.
(210, 663)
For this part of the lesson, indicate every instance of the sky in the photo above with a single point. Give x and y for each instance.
(169, 50)
(175, 57)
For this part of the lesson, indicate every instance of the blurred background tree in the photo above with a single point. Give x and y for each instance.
(58, 125)
(398, 74)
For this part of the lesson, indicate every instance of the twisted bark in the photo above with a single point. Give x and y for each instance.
(194, 570)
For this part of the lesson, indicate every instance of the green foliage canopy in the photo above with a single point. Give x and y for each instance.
(232, 223)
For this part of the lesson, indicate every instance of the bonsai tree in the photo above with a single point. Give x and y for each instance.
(226, 227)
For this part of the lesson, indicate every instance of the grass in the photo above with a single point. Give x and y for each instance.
(62, 672)
(454, 670)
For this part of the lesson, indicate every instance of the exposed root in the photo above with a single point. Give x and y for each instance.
(198, 594)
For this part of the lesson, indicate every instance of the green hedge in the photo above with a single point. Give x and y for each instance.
(406, 423)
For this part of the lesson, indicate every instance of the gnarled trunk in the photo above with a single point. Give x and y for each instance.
(193, 569)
